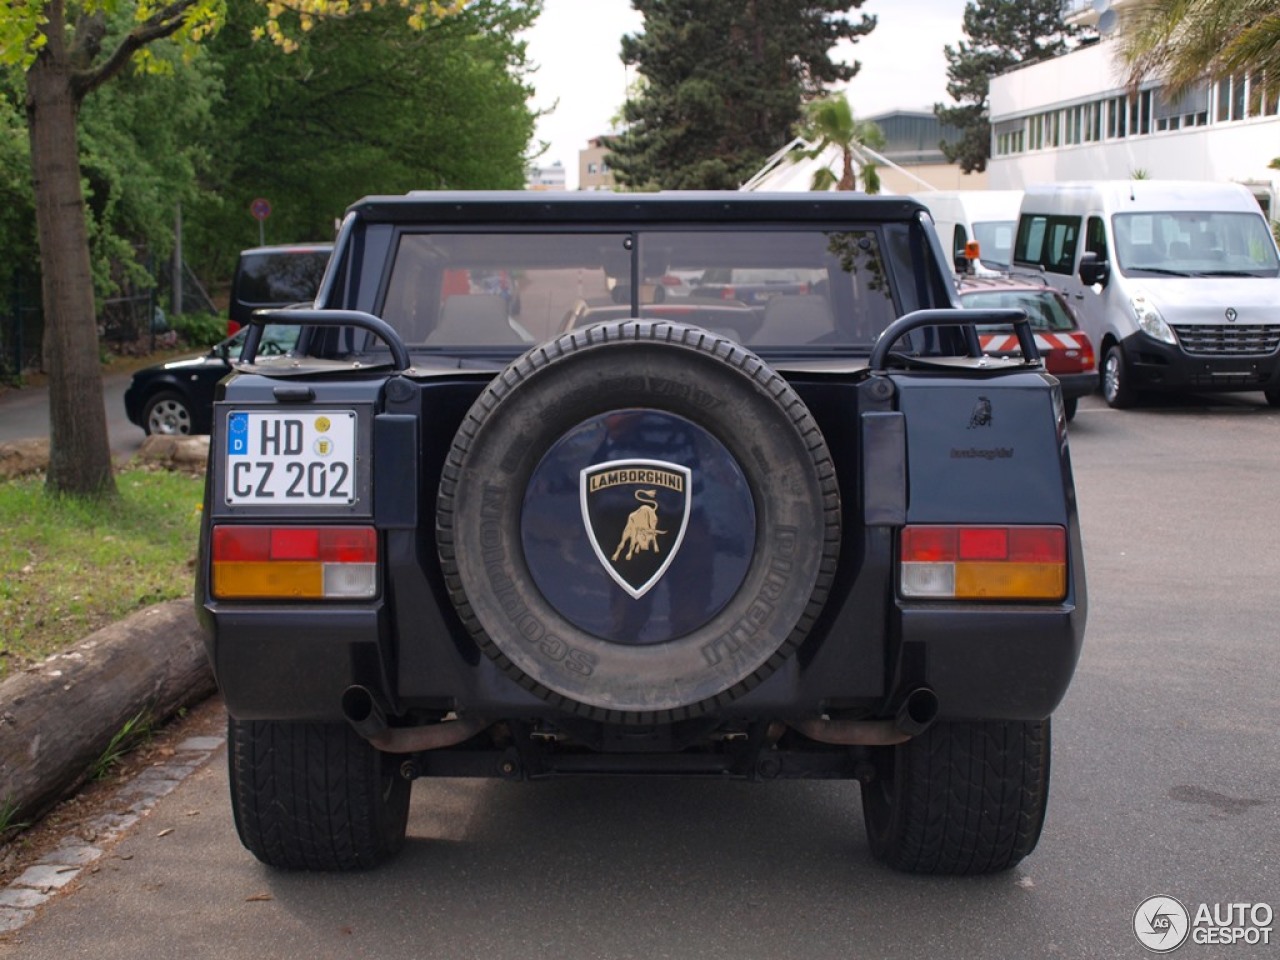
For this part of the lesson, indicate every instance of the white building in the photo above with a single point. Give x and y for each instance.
(545, 178)
(1074, 118)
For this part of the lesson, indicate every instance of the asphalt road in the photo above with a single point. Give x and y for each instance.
(24, 414)
(1166, 781)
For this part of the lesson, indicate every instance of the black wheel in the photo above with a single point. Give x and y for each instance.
(1069, 407)
(1273, 398)
(1117, 388)
(167, 414)
(313, 796)
(961, 798)
(647, 521)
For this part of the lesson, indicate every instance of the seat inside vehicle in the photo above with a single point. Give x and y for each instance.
(474, 318)
(799, 318)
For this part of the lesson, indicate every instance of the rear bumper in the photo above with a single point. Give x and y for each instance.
(1075, 385)
(991, 663)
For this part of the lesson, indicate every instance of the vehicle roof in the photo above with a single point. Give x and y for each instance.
(974, 204)
(1116, 196)
(661, 207)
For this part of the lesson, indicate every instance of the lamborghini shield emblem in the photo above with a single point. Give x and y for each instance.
(635, 513)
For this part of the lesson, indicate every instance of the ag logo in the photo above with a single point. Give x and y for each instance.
(1161, 924)
(635, 512)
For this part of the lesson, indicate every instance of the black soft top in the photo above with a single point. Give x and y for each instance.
(513, 206)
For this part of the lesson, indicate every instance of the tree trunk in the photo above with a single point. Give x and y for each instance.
(57, 719)
(79, 453)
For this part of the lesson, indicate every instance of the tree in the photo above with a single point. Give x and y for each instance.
(444, 106)
(67, 50)
(830, 122)
(724, 84)
(1185, 42)
(1002, 34)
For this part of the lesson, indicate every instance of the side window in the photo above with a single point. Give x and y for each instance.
(1095, 239)
(961, 238)
(1047, 242)
(1029, 246)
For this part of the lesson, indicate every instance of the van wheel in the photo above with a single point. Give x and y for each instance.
(1116, 387)
(961, 798)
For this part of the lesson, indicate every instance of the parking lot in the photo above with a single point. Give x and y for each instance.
(1166, 781)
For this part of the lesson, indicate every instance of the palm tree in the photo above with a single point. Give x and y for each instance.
(830, 122)
(1184, 42)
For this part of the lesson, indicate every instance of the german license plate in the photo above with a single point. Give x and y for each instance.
(291, 459)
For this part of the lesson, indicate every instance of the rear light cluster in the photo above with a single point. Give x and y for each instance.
(984, 563)
(290, 563)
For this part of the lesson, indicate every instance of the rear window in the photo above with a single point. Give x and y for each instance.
(1044, 308)
(764, 288)
(278, 278)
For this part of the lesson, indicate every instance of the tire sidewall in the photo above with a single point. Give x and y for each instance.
(715, 385)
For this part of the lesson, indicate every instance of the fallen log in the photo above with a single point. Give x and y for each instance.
(60, 717)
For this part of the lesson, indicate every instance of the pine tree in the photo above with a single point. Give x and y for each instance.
(723, 85)
(1002, 34)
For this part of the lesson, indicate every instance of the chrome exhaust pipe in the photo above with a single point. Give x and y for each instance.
(916, 713)
(368, 718)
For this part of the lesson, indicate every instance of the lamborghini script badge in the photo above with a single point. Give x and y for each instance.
(635, 512)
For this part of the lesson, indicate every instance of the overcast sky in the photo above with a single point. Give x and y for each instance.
(575, 45)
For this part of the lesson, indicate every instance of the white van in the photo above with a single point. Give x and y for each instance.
(987, 217)
(1177, 282)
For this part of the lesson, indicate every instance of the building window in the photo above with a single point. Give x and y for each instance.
(1116, 117)
(1093, 122)
(1140, 114)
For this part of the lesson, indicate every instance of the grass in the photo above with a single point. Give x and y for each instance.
(69, 567)
(9, 825)
(136, 731)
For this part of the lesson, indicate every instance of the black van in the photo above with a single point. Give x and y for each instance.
(274, 277)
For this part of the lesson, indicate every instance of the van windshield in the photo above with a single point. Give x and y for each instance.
(995, 241)
(1195, 243)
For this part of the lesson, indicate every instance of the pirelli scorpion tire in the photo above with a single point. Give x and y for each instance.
(638, 521)
(314, 796)
(961, 798)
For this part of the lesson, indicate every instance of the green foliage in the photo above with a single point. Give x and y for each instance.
(1001, 34)
(724, 86)
(8, 825)
(136, 731)
(830, 122)
(366, 106)
(1184, 43)
(199, 330)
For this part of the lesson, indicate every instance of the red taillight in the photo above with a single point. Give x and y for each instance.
(293, 562)
(984, 562)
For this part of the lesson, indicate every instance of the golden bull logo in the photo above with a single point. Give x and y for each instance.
(641, 509)
(641, 531)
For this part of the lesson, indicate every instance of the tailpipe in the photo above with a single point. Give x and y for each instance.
(916, 713)
(369, 719)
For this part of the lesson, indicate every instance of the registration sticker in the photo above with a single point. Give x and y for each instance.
(291, 459)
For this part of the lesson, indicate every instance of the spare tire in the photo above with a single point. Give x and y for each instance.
(638, 521)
